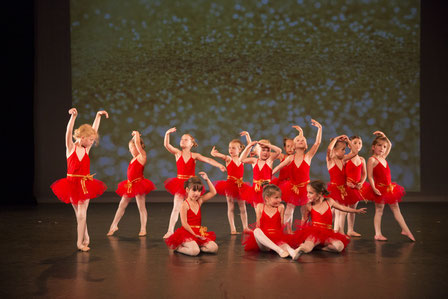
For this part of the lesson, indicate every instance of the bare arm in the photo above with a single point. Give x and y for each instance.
(69, 145)
(243, 156)
(353, 150)
(371, 163)
(184, 220)
(258, 211)
(389, 144)
(281, 210)
(283, 164)
(363, 173)
(340, 207)
(245, 133)
(96, 122)
(211, 188)
(142, 154)
(315, 147)
(276, 149)
(210, 161)
(166, 142)
(330, 152)
(217, 154)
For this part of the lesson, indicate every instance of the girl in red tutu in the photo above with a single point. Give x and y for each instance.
(318, 232)
(294, 189)
(382, 190)
(285, 172)
(234, 186)
(186, 165)
(192, 238)
(262, 168)
(79, 186)
(135, 186)
(336, 159)
(268, 234)
(356, 175)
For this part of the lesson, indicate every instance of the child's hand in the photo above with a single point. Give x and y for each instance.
(171, 130)
(214, 152)
(103, 112)
(316, 124)
(379, 133)
(244, 133)
(359, 186)
(73, 112)
(376, 191)
(253, 143)
(222, 168)
(134, 133)
(361, 211)
(298, 128)
(343, 138)
(351, 185)
(203, 175)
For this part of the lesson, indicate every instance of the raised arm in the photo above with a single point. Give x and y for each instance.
(330, 152)
(207, 160)
(276, 149)
(243, 156)
(315, 147)
(389, 144)
(69, 145)
(215, 153)
(96, 122)
(246, 134)
(285, 162)
(138, 146)
(353, 149)
(211, 188)
(166, 142)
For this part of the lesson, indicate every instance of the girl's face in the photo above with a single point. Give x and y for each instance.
(312, 194)
(133, 149)
(339, 150)
(300, 143)
(289, 147)
(274, 200)
(186, 142)
(265, 153)
(379, 149)
(357, 143)
(193, 193)
(234, 149)
(87, 141)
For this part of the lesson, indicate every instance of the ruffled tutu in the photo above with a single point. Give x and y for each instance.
(181, 235)
(390, 194)
(230, 188)
(277, 181)
(140, 187)
(251, 196)
(295, 194)
(70, 190)
(338, 193)
(355, 195)
(319, 235)
(176, 186)
(275, 235)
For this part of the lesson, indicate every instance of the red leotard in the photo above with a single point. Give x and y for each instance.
(294, 191)
(234, 186)
(284, 174)
(184, 172)
(79, 185)
(136, 184)
(336, 187)
(353, 175)
(390, 191)
(259, 176)
(319, 230)
(181, 235)
(271, 227)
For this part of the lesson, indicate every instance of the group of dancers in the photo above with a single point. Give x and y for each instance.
(274, 228)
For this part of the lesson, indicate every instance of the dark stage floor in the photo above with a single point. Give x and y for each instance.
(39, 258)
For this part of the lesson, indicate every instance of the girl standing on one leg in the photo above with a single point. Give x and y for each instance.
(192, 238)
(135, 186)
(186, 165)
(382, 190)
(79, 186)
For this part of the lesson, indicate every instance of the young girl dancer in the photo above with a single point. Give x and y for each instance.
(262, 168)
(79, 186)
(285, 172)
(234, 186)
(186, 164)
(356, 174)
(336, 159)
(294, 190)
(135, 186)
(319, 231)
(192, 238)
(268, 234)
(382, 191)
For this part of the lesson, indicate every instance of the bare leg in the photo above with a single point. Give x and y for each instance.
(351, 223)
(189, 248)
(243, 213)
(210, 247)
(140, 199)
(231, 214)
(81, 219)
(379, 208)
(342, 217)
(334, 246)
(399, 217)
(177, 202)
(265, 242)
(289, 212)
(120, 212)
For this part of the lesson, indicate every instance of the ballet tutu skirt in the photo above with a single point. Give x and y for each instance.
(71, 190)
(251, 196)
(320, 235)
(231, 189)
(390, 194)
(176, 186)
(295, 194)
(137, 187)
(181, 235)
(355, 195)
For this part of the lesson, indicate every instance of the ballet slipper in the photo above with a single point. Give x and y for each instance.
(380, 238)
(167, 235)
(297, 253)
(283, 254)
(83, 248)
(112, 231)
(353, 234)
(409, 235)
(142, 233)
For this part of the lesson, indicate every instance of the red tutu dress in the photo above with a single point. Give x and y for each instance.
(353, 174)
(284, 174)
(234, 187)
(319, 230)
(254, 195)
(271, 227)
(391, 192)
(336, 186)
(184, 172)
(294, 191)
(79, 185)
(136, 184)
(181, 235)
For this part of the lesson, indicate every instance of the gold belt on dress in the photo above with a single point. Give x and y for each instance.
(84, 178)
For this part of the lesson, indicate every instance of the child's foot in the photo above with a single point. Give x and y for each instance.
(234, 232)
(353, 234)
(83, 248)
(283, 254)
(167, 235)
(247, 230)
(409, 235)
(112, 231)
(380, 238)
(142, 233)
(297, 253)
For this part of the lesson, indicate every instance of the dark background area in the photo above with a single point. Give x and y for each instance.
(38, 96)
